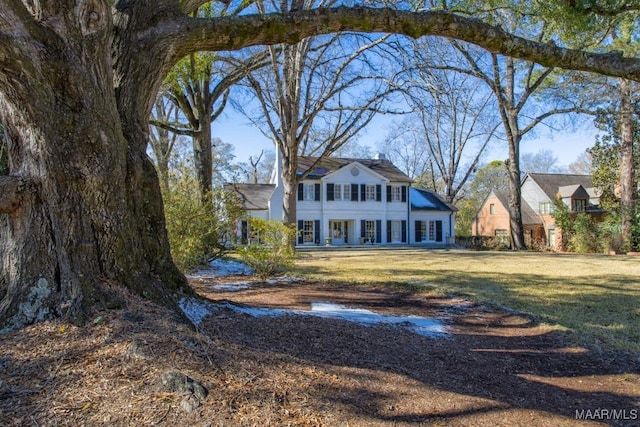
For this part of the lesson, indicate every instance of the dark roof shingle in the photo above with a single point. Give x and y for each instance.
(252, 196)
(329, 165)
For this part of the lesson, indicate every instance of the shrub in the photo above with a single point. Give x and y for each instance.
(274, 253)
(584, 237)
(197, 230)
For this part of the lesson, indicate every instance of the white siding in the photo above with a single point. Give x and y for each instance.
(533, 194)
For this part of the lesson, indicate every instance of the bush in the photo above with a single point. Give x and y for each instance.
(274, 253)
(197, 230)
(584, 237)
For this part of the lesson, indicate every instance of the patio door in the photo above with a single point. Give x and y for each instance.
(338, 232)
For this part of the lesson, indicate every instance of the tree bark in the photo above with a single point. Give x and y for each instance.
(627, 173)
(94, 215)
(77, 82)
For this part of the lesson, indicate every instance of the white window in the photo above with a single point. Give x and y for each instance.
(423, 231)
(396, 193)
(370, 192)
(370, 230)
(432, 230)
(308, 231)
(492, 209)
(309, 192)
(396, 231)
(346, 191)
(337, 192)
(546, 208)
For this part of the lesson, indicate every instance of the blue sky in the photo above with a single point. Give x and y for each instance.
(567, 144)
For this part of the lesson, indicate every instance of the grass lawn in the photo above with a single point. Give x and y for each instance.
(595, 296)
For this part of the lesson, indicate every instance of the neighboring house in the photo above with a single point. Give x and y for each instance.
(353, 202)
(254, 199)
(539, 190)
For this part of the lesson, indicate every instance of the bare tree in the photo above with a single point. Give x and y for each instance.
(81, 209)
(544, 161)
(405, 147)
(514, 84)
(161, 139)
(315, 96)
(455, 113)
(581, 165)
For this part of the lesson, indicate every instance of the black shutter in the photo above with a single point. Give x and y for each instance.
(354, 192)
(300, 192)
(363, 228)
(300, 237)
(316, 226)
(317, 192)
(379, 231)
(363, 192)
(404, 194)
(388, 193)
(244, 233)
(330, 197)
(346, 232)
(418, 232)
(378, 192)
(404, 231)
(388, 231)
(439, 231)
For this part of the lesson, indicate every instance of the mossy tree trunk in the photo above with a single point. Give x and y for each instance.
(82, 208)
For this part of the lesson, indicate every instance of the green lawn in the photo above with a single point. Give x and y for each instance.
(596, 296)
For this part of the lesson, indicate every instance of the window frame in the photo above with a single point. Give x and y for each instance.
(370, 192)
(308, 192)
(306, 231)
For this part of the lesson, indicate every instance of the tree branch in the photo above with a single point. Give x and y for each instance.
(190, 35)
(11, 188)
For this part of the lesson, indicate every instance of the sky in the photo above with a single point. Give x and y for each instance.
(566, 144)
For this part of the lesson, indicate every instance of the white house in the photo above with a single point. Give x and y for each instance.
(353, 202)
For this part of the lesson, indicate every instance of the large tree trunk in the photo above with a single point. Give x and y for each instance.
(202, 157)
(90, 211)
(515, 194)
(627, 173)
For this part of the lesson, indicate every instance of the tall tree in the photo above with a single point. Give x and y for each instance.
(455, 113)
(514, 84)
(315, 96)
(81, 209)
(161, 139)
(492, 176)
(616, 25)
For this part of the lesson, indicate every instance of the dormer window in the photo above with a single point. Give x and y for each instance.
(578, 205)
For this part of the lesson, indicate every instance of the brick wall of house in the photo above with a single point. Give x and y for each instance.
(487, 223)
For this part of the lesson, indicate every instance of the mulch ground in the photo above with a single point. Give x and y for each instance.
(493, 368)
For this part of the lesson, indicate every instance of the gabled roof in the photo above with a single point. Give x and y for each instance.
(428, 200)
(326, 166)
(573, 191)
(529, 216)
(551, 182)
(252, 196)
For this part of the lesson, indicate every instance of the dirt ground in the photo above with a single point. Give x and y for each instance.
(492, 368)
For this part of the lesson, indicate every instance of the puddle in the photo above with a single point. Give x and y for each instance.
(420, 325)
